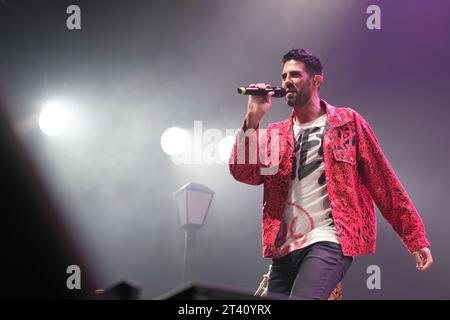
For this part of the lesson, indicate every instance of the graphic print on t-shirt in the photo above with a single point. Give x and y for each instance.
(306, 142)
(307, 217)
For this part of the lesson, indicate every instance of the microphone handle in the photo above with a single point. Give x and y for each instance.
(279, 92)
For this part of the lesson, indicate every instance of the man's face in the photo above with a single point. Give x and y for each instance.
(297, 82)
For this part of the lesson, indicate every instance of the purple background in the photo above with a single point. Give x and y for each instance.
(139, 67)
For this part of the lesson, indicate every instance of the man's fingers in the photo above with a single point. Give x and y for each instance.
(263, 85)
(419, 262)
(268, 96)
(428, 259)
(423, 259)
(426, 265)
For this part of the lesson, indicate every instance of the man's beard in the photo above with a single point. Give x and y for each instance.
(298, 99)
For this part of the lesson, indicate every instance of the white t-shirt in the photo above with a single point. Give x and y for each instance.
(307, 217)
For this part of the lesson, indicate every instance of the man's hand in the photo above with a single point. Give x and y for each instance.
(257, 106)
(423, 259)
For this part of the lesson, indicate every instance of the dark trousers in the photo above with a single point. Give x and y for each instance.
(309, 273)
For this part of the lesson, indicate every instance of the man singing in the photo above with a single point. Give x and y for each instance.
(320, 184)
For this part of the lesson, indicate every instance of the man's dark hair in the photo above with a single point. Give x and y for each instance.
(312, 64)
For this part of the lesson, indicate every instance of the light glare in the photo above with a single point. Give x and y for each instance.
(175, 140)
(53, 119)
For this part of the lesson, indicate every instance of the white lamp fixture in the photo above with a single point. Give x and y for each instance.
(193, 201)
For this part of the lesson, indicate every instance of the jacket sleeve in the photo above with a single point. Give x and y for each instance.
(386, 189)
(245, 164)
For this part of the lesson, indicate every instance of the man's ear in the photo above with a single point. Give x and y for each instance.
(317, 80)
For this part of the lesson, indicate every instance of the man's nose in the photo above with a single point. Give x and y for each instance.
(287, 83)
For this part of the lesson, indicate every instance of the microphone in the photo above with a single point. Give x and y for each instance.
(279, 92)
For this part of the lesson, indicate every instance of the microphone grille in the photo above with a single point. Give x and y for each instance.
(241, 90)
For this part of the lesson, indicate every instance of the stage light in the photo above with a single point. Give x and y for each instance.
(225, 148)
(175, 140)
(53, 118)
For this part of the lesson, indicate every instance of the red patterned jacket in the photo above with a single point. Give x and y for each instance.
(357, 174)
